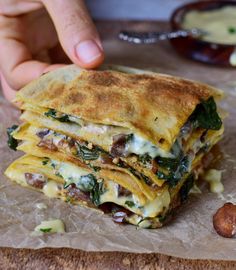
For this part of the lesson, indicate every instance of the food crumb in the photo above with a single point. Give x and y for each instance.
(213, 177)
(115, 160)
(126, 261)
(41, 206)
(49, 226)
(90, 146)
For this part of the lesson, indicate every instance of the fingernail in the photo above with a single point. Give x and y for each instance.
(87, 51)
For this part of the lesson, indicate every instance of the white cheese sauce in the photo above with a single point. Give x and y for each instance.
(69, 171)
(220, 24)
(139, 146)
(153, 208)
(93, 128)
(51, 189)
(213, 177)
(150, 209)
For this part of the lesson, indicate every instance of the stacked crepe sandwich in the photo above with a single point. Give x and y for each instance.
(127, 142)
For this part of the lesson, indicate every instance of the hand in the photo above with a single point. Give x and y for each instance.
(39, 35)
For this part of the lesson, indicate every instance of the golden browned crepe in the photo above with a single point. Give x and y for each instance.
(129, 144)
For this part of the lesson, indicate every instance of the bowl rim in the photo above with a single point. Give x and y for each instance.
(195, 5)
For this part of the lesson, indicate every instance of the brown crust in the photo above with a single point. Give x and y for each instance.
(154, 105)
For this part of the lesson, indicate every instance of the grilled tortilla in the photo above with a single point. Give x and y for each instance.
(128, 143)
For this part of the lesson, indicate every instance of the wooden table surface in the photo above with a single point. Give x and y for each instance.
(64, 258)
(58, 259)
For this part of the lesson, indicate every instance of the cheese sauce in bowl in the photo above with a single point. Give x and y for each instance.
(219, 24)
(218, 20)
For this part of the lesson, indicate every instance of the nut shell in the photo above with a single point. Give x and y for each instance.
(224, 220)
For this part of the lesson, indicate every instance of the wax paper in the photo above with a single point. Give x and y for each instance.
(189, 235)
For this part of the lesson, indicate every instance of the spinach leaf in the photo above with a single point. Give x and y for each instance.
(12, 142)
(146, 179)
(45, 161)
(232, 30)
(204, 148)
(168, 163)
(129, 137)
(175, 173)
(140, 176)
(86, 153)
(87, 182)
(171, 178)
(162, 219)
(95, 193)
(53, 113)
(206, 116)
(134, 172)
(53, 165)
(95, 168)
(184, 190)
(130, 204)
(68, 199)
(45, 230)
(145, 159)
(58, 174)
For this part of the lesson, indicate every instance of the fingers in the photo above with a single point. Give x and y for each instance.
(16, 63)
(53, 67)
(76, 31)
(8, 92)
(16, 59)
(16, 7)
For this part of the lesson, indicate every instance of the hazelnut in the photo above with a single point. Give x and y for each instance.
(115, 160)
(224, 220)
(90, 146)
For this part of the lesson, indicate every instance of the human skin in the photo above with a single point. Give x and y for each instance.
(37, 36)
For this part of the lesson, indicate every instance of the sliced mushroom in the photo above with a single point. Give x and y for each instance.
(77, 194)
(118, 145)
(35, 180)
(123, 191)
(48, 143)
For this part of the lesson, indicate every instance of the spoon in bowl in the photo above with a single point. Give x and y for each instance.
(153, 37)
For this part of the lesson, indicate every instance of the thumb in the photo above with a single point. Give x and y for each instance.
(76, 31)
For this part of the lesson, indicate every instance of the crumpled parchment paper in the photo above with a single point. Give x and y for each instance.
(189, 235)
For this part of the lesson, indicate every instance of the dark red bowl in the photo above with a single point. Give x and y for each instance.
(199, 50)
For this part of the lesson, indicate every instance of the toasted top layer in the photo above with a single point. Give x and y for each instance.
(152, 105)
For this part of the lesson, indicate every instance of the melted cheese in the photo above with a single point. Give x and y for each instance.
(54, 226)
(153, 208)
(213, 177)
(139, 146)
(98, 134)
(70, 171)
(145, 224)
(111, 195)
(150, 209)
(51, 189)
(232, 58)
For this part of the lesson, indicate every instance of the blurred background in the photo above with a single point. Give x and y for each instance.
(133, 9)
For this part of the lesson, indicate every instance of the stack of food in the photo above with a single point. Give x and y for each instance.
(128, 144)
